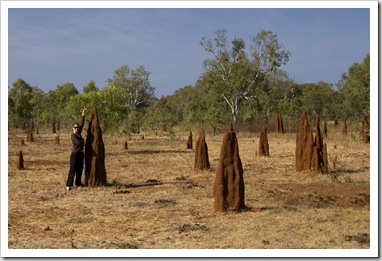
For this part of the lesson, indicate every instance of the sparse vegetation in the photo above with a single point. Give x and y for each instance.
(155, 200)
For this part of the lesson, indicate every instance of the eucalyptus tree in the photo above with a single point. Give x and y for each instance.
(238, 72)
(57, 101)
(317, 98)
(178, 101)
(107, 100)
(206, 106)
(90, 87)
(160, 116)
(134, 94)
(19, 103)
(133, 85)
(354, 86)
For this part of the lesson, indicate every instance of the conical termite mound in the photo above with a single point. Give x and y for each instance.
(263, 143)
(201, 152)
(30, 135)
(95, 172)
(365, 129)
(189, 141)
(228, 188)
(279, 126)
(344, 128)
(318, 149)
(325, 130)
(20, 163)
(57, 140)
(325, 159)
(304, 144)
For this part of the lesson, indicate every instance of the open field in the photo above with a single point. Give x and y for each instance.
(154, 198)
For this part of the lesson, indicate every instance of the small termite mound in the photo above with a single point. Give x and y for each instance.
(57, 140)
(344, 128)
(189, 141)
(20, 163)
(201, 152)
(30, 135)
(263, 143)
(279, 126)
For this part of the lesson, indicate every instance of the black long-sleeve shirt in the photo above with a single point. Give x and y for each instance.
(77, 140)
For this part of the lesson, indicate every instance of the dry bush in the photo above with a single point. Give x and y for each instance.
(154, 198)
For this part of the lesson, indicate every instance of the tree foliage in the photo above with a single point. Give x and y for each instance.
(133, 85)
(236, 74)
(20, 104)
(354, 87)
(90, 87)
(240, 86)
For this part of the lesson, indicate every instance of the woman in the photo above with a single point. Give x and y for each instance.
(77, 155)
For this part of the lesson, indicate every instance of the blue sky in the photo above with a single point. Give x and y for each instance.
(48, 47)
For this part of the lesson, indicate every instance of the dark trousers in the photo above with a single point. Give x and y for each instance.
(76, 166)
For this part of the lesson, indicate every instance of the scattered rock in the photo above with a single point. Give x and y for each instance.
(181, 178)
(152, 181)
(194, 227)
(165, 201)
(360, 238)
(45, 228)
(121, 192)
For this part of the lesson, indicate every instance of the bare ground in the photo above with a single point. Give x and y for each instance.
(155, 200)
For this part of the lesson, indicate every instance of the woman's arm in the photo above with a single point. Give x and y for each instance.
(82, 121)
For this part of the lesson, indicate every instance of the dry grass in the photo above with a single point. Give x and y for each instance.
(155, 200)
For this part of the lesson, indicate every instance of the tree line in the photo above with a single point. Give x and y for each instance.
(241, 85)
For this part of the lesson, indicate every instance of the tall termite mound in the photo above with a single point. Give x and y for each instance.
(319, 157)
(304, 144)
(344, 128)
(228, 188)
(95, 172)
(365, 129)
(20, 163)
(189, 141)
(279, 127)
(325, 130)
(201, 152)
(263, 143)
(57, 140)
(325, 158)
(30, 135)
